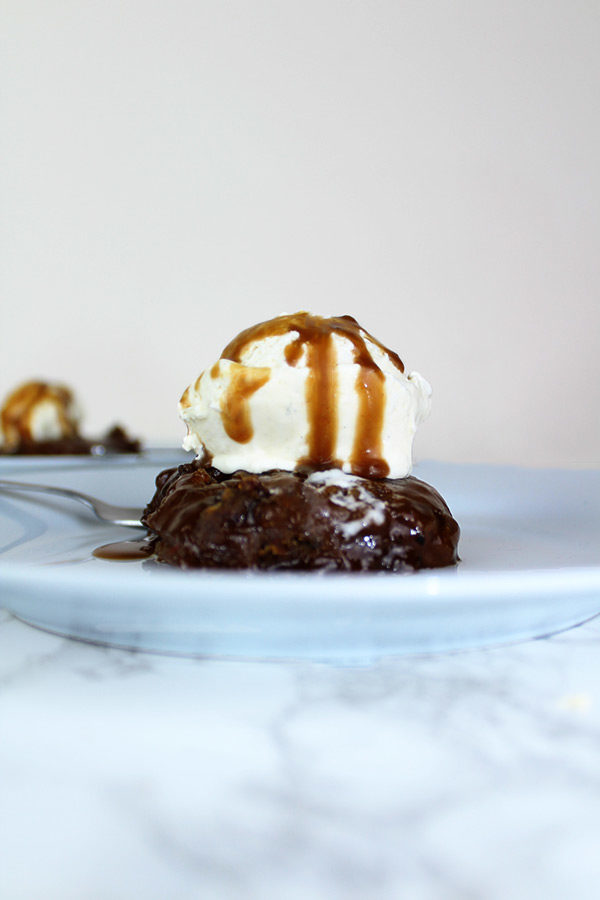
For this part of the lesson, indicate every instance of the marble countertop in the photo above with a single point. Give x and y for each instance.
(463, 775)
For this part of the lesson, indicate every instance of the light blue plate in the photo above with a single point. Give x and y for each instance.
(530, 552)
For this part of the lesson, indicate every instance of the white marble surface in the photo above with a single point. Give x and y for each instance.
(464, 775)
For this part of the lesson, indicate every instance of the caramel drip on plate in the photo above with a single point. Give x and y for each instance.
(124, 550)
(315, 334)
(17, 412)
(235, 409)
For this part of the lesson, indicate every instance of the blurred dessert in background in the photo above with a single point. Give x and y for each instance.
(41, 418)
(303, 429)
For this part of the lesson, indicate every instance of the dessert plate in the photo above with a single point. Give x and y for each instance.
(530, 550)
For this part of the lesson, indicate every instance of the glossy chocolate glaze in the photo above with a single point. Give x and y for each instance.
(200, 517)
(315, 334)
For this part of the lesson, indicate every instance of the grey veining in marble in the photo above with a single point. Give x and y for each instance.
(468, 775)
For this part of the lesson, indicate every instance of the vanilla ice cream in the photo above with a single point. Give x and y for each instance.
(38, 411)
(306, 390)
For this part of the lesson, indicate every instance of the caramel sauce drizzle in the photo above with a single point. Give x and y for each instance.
(321, 401)
(17, 413)
(367, 452)
(235, 409)
(315, 333)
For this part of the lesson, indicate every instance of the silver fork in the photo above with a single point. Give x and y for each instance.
(116, 515)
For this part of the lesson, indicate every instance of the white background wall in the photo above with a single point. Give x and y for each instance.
(174, 171)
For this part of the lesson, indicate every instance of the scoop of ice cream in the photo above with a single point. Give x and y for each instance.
(306, 390)
(38, 411)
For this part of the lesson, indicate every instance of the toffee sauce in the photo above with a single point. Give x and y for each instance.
(315, 333)
(235, 409)
(124, 550)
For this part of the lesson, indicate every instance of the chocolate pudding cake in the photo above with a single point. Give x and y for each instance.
(303, 430)
(42, 419)
(201, 517)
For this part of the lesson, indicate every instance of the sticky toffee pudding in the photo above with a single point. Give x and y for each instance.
(304, 431)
